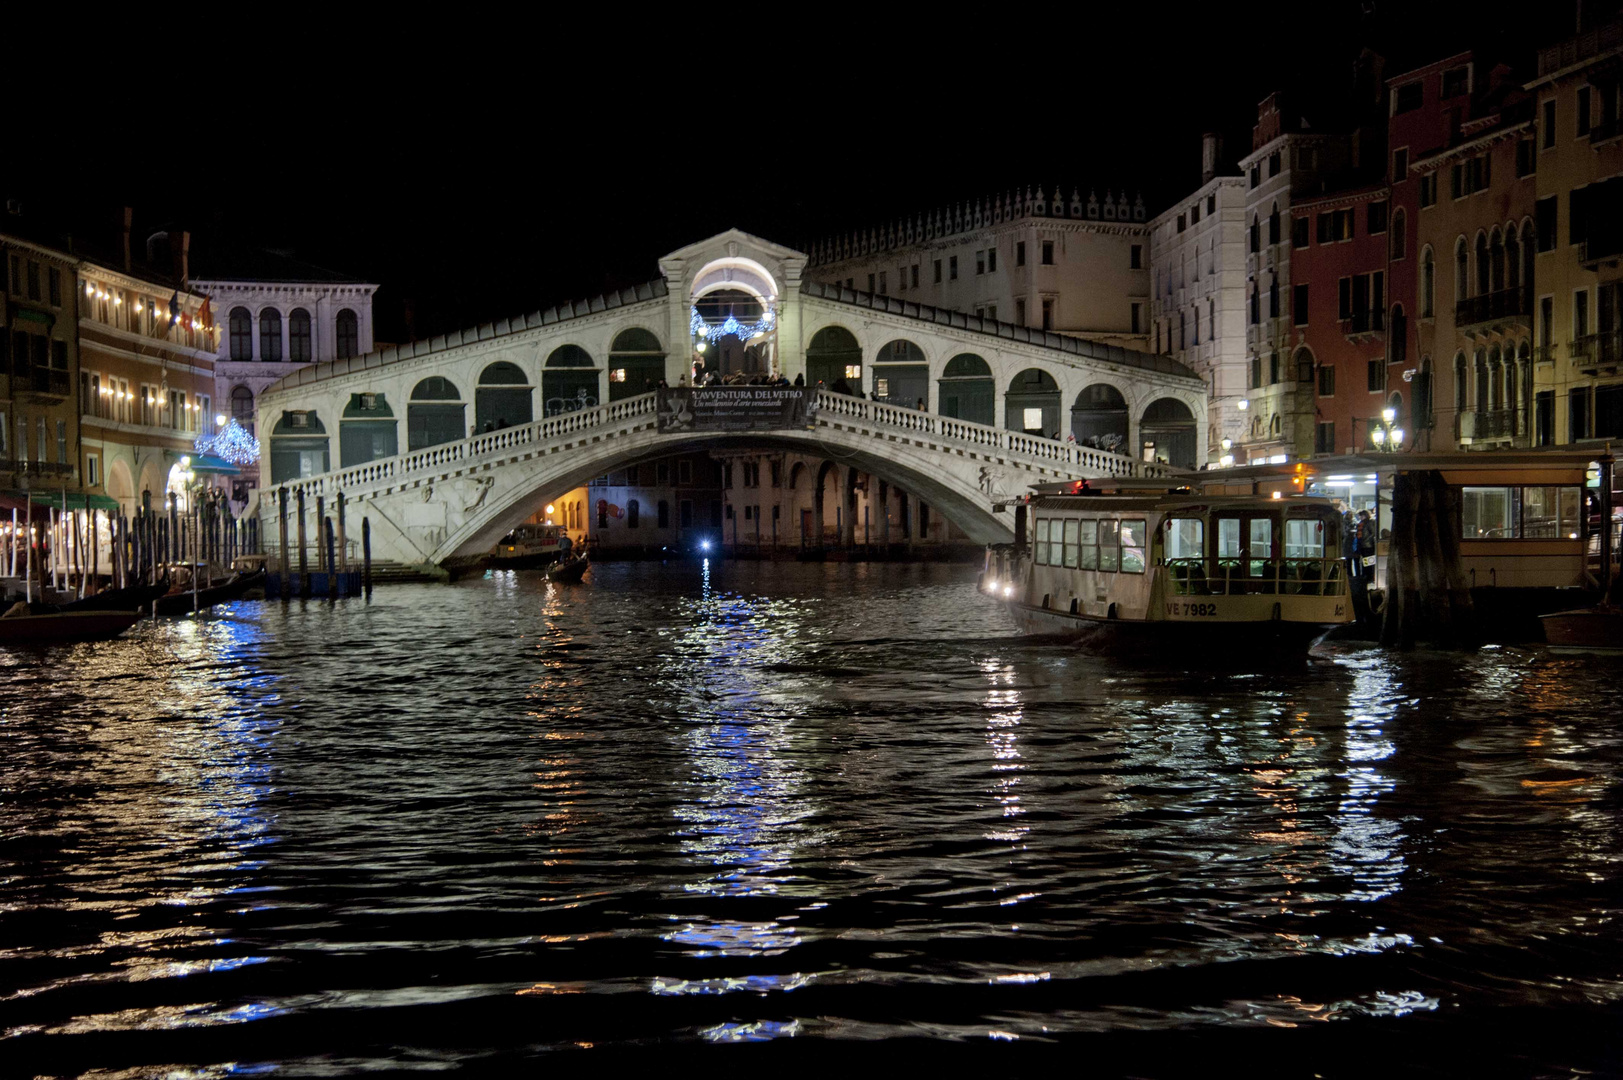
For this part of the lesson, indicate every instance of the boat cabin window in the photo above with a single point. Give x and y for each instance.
(1304, 538)
(1109, 546)
(1089, 544)
(1132, 546)
(1519, 513)
(1186, 538)
(1070, 542)
(1045, 528)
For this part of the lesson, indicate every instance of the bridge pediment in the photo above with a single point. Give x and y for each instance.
(733, 259)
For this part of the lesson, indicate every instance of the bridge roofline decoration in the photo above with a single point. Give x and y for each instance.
(958, 320)
(535, 320)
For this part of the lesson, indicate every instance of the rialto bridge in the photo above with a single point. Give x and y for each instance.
(495, 418)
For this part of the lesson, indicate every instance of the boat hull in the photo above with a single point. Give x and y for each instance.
(1192, 637)
(1586, 630)
(55, 628)
(567, 573)
(181, 603)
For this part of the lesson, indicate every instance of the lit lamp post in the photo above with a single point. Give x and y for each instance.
(1388, 437)
(1228, 457)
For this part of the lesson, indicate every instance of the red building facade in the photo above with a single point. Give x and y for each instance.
(1342, 308)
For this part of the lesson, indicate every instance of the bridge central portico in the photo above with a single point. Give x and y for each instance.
(464, 476)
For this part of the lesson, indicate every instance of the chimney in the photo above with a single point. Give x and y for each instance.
(182, 253)
(1211, 148)
(129, 218)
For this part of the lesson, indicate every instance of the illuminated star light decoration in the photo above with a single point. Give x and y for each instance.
(231, 443)
(729, 327)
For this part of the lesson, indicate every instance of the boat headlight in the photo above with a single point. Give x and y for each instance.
(991, 585)
(1008, 590)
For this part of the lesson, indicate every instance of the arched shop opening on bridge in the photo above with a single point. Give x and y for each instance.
(1032, 404)
(832, 356)
(636, 364)
(901, 376)
(502, 398)
(1099, 418)
(367, 431)
(568, 381)
(967, 391)
(1167, 433)
(435, 414)
(298, 446)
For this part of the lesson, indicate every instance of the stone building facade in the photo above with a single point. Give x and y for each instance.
(1069, 265)
(1197, 303)
(278, 314)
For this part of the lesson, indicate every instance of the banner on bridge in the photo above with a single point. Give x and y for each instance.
(735, 408)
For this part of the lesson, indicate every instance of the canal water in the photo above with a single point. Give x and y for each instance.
(806, 806)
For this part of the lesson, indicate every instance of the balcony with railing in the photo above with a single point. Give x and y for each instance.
(1595, 351)
(1365, 326)
(39, 470)
(1492, 310)
(42, 383)
(1477, 425)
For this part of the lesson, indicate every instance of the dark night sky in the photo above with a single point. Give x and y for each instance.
(492, 168)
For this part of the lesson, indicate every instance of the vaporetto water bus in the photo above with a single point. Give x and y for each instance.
(1172, 563)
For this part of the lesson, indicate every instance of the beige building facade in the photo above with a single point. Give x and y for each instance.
(1069, 265)
(1578, 344)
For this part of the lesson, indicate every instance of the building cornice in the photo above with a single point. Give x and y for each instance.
(1431, 161)
(313, 289)
(1344, 198)
(69, 261)
(106, 275)
(122, 338)
(1315, 139)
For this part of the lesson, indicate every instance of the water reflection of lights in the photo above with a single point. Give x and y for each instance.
(1003, 715)
(1366, 847)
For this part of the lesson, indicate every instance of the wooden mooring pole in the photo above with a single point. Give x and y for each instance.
(366, 556)
(281, 528)
(332, 567)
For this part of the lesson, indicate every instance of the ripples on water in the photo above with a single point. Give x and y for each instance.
(681, 806)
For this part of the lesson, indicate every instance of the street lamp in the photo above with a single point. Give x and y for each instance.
(1388, 436)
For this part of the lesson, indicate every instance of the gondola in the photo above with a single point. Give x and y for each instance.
(50, 627)
(133, 598)
(568, 571)
(181, 601)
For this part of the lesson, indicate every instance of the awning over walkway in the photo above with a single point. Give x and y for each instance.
(73, 500)
(205, 463)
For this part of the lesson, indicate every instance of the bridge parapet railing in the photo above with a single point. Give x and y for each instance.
(1016, 442)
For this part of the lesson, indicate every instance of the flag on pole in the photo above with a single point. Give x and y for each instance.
(174, 308)
(204, 318)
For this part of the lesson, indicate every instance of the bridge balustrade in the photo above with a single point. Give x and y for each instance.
(496, 443)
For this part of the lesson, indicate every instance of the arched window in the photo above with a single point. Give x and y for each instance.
(1462, 274)
(298, 337)
(569, 381)
(1513, 260)
(242, 334)
(1496, 262)
(1256, 234)
(1273, 225)
(633, 510)
(1428, 283)
(242, 406)
(1482, 265)
(1273, 296)
(1479, 370)
(1398, 336)
(1462, 382)
(270, 335)
(1496, 380)
(1400, 239)
(347, 339)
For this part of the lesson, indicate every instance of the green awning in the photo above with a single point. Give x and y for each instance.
(31, 315)
(75, 500)
(208, 463)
